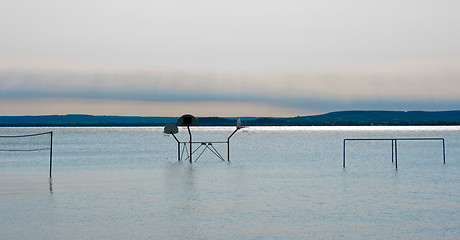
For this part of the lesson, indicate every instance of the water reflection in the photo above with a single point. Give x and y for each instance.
(180, 175)
(182, 195)
(180, 184)
(50, 180)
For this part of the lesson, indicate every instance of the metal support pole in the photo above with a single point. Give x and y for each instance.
(228, 150)
(51, 153)
(178, 151)
(443, 151)
(178, 147)
(392, 150)
(228, 144)
(184, 150)
(344, 153)
(205, 147)
(396, 154)
(190, 134)
(214, 150)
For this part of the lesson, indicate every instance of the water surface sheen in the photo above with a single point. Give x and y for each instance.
(281, 183)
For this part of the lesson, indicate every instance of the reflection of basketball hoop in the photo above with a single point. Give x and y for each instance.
(188, 120)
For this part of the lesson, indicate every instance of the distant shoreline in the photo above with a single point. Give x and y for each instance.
(342, 118)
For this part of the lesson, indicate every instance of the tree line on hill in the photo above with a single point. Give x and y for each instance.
(343, 118)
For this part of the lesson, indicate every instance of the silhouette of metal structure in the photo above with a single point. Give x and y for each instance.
(25, 149)
(188, 120)
(394, 146)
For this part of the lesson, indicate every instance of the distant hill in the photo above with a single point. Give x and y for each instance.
(82, 120)
(343, 118)
(380, 118)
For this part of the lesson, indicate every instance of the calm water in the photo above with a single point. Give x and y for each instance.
(281, 183)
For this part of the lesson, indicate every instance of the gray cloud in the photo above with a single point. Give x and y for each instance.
(316, 55)
(414, 86)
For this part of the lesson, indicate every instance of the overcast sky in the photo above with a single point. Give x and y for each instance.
(228, 58)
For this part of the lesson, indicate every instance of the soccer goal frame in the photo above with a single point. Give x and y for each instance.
(394, 146)
(33, 149)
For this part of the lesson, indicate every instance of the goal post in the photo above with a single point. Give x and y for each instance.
(29, 143)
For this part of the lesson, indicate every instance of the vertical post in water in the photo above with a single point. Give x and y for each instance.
(190, 134)
(178, 151)
(228, 150)
(396, 154)
(443, 151)
(171, 128)
(344, 152)
(178, 146)
(228, 140)
(51, 152)
(392, 149)
(188, 120)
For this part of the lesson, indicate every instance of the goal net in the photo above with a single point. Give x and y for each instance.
(28, 143)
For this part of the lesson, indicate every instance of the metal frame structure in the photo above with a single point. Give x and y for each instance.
(39, 149)
(206, 145)
(394, 146)
(189, 120)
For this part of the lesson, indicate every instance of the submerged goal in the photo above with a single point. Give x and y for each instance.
(28, 143)
(394, 146)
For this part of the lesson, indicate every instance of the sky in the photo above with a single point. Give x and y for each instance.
(228, 58)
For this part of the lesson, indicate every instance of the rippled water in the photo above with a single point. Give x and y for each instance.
(281, 183)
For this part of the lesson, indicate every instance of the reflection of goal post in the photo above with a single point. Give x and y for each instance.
(28, 143)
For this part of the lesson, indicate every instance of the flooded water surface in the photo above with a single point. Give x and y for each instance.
(281, 183)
